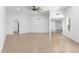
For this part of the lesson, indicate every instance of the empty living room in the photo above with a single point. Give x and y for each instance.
(39, 29)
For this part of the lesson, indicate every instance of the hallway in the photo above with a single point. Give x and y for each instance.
(39, 43)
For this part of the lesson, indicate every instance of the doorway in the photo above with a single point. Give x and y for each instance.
(58, 26)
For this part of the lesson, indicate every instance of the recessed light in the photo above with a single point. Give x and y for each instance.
(18, 9)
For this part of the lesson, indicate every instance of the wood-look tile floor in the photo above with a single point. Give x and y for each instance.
(39, 43)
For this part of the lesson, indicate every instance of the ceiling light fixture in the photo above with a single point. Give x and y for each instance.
(18, 9)
(36, 8)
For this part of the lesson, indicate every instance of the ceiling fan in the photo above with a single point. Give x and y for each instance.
(36, 8)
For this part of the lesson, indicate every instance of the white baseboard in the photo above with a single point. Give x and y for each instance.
(71, 38)
(68, 36)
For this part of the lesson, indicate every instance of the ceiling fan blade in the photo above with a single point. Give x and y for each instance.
(36, 8)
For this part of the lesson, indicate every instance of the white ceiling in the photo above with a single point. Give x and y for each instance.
(24, 9)
(28, 9)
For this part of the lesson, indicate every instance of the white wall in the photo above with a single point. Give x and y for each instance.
(23, 20)
(73, 14)
(28, 23)
(2, 27)
(39, 23)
